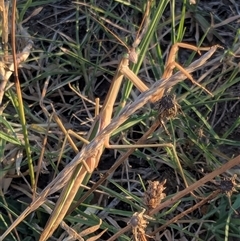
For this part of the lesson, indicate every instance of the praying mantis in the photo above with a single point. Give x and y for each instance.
(103, 120)
(101, 132)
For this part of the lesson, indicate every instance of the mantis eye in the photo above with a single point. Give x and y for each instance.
(133, 55)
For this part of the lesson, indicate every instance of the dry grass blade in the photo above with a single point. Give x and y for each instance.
(80, 236)
(93, 229)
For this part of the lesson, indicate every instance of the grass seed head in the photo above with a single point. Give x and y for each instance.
(168, 107)
(154, 194)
